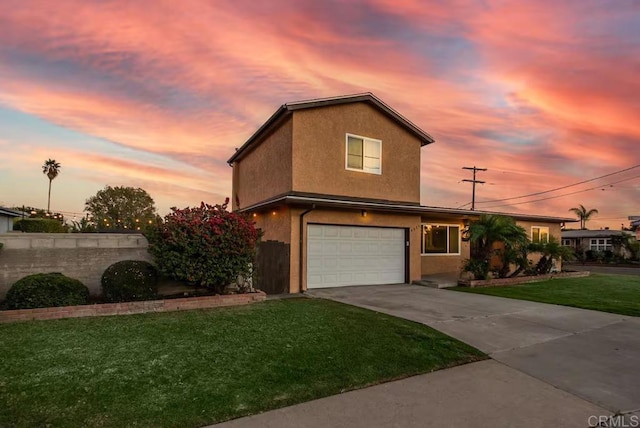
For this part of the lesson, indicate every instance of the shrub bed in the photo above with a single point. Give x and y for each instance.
(45, 290)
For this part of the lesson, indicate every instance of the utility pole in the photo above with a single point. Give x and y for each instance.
(474, 181)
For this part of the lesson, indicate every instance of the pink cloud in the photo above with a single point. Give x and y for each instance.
(536, 104)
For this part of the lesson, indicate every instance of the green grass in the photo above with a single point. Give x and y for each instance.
(619, 294)
(188, 369)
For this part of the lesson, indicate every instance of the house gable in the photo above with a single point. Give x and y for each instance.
(303, 148)
(268, 169)
(320, 154)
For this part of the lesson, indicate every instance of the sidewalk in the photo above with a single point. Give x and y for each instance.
(482, 394)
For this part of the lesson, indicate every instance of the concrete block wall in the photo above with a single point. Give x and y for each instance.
(83, 256)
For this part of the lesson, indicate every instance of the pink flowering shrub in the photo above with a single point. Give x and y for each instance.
(207, 245)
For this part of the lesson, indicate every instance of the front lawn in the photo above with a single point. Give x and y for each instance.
(188, 369)
(619, 294)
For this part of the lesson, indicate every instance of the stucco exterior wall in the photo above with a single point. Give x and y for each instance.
(444, 263)
(83, 256)
(275, 224)
(433, 263)
(350, 218)
(319, 137)
(554, 228)
(266, 171)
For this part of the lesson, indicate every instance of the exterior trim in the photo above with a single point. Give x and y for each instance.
(289, 108)
(541, 228)
(293, 198)
(10, 213)
(346, 153)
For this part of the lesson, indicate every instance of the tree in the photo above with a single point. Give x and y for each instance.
(116, 208)
(501, 236)
(207, 245)
(51, 168)
(583, 215)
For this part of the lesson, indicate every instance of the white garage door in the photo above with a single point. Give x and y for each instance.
(351, 255)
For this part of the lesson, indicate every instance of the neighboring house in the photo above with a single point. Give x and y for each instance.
(334, 184)
(595, 240)
(635, 223)
(6, 219)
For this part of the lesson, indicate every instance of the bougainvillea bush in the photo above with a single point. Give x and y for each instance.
(206, 246)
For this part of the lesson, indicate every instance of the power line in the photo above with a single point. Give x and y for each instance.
(560, 188)
(566, 194)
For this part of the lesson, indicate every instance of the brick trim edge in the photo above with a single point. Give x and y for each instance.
(128, 308)
(500, 282)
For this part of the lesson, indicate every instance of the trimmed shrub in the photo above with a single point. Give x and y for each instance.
(130, 280)
(44, 290)
(39, 225)
(206, 246)
(478, 268)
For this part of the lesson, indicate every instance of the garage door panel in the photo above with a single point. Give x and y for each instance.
(352, 255)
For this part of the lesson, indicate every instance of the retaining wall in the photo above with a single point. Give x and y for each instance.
(83, 256)
(128, 308)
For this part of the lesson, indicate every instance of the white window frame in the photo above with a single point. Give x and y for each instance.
(541, 228)
(423, 225)
(605, 245)
(364, 154)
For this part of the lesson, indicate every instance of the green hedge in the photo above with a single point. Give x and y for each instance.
(130, 280)
(39, 225)
(44, 290)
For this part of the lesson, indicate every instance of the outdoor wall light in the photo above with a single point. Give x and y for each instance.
(255, 215)
(363, 213)
(465, 233)
(273, 213)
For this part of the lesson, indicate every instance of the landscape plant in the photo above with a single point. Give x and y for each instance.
(496, 235)
(39, 225)
(551, 251)
(130, 280)
(43, 290)
(206, 246)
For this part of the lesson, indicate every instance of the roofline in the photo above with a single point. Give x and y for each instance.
(10, 212)
(585, 233)
(286, 109)
(292, 199)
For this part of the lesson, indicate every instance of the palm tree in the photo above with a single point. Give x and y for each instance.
(501, 236)
(51, 168)
(583, 215)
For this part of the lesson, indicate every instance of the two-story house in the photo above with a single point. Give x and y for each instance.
(334, 184)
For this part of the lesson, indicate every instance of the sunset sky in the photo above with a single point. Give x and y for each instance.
(158, 94)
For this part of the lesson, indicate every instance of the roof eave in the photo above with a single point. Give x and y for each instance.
(403, 208)
(279, 114)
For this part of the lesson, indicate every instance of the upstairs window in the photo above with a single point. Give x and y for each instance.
(539, 234)
(363, 154)
(440, 239)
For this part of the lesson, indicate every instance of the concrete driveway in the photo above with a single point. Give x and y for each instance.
(589, 354)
